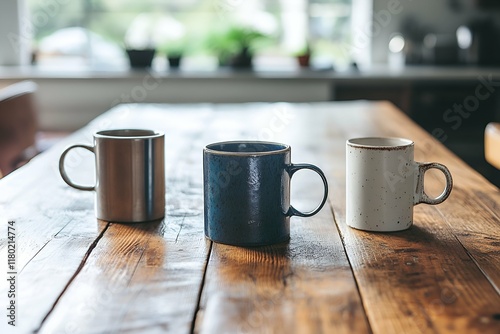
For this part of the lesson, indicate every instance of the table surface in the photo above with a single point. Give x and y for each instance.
(76, 274)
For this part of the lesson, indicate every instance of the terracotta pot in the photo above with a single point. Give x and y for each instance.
(304, 60)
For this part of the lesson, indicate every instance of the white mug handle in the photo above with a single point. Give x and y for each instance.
(420, 195)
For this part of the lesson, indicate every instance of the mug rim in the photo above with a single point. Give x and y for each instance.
(208, 149)
(109, 134)
(363, 142)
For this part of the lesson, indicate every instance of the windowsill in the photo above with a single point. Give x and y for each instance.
(379, 72)
(49, 72)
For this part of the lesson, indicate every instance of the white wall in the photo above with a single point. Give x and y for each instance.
(68, 104)
(14, 38)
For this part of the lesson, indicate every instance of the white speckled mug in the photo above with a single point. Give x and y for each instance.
(384, 183)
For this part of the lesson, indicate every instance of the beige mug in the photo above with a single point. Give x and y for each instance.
(130, 180)
(384, 183)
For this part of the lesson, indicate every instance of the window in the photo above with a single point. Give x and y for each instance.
(96, 32)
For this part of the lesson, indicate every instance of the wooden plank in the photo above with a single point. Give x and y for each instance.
(146, 277)
(48, 218)
(19, 196)
(56, 228)
(303, 286)
(421, 280)
(471, 212)
(140, 277)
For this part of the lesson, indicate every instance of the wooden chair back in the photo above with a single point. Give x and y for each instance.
(18, 124)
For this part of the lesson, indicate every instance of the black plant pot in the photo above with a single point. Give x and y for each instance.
(242, 60)
(140, 58)
(174, 61)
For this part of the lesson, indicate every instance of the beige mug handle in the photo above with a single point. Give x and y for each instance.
(420, 195)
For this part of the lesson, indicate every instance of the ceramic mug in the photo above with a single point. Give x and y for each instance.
(130, 167)
(247, 192)
(384, 183)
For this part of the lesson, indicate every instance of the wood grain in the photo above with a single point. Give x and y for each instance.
(305, 286)
(151, 284)
(472, 211)
(146, 277)
(52, 228)
(78, 274)
(422, 280)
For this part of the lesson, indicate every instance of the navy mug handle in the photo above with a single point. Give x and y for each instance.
(291, 169)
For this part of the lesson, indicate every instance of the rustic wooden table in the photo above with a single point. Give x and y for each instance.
(75, 274)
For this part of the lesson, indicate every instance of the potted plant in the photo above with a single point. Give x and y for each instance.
(174, 50)
(174, 60)
(145, 33)
(139, 45)
(140, 51)
(235, 46)
(304, 57)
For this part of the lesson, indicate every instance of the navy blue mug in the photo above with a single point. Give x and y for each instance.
(247, 192)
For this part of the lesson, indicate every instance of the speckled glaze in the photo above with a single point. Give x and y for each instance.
(247, 192)
(384, 183)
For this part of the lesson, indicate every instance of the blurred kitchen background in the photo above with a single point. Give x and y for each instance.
(439, 61)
